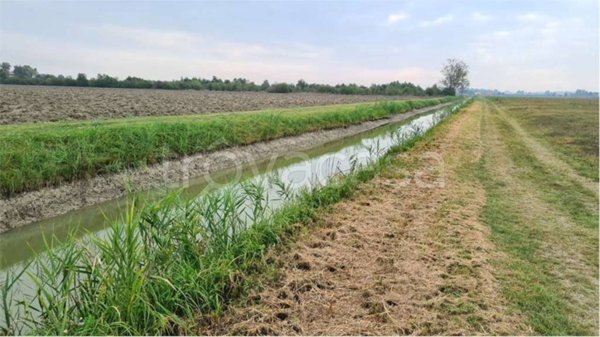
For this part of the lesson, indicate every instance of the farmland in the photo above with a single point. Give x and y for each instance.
(567, 127)
(299, 168)
(486, 224)
(21, 104)
(227, 223)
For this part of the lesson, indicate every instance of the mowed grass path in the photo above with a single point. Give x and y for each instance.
(569, 127)
(38, 155)
(543, 220)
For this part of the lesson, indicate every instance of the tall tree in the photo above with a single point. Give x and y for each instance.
(4, 70)
(455, 75)
(24, 72)
(82, 80)
(301, 85)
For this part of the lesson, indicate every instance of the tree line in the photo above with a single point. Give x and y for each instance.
(28, 75)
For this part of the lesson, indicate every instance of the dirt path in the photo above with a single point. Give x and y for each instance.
(545, 155)
(406, 255)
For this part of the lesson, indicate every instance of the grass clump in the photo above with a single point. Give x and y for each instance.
(34, 156)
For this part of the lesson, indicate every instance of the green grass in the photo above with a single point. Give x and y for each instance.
(579, 203)
(568, 126)
(525, 279)
(170, 262)
(535, 269)
(38, 155)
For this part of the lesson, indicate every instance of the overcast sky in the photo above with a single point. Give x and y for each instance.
(509, 45)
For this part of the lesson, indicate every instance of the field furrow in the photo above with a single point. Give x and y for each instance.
(35, 104)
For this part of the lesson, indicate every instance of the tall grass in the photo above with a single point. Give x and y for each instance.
(168, 261)
(34, 156)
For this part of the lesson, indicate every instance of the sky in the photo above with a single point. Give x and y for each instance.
(508, 45)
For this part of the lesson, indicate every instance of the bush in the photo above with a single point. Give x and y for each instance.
(281, 88)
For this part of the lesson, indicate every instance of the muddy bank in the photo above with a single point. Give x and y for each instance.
(35, 104)
(48, 202)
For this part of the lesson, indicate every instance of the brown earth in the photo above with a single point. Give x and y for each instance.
(407, 255)
(19, 104)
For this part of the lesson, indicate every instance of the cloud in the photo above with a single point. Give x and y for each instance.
(437, 21)
(183, 42)
(256, 62)
(550, 28)
(545, 54)
(501, 34)
(530, 17)
(396, 17)
(480, 17)
(150, 37)
(367, 75)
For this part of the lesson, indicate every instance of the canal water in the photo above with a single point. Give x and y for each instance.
(296, 170)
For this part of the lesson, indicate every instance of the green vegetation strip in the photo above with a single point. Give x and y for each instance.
(168, 262)
(530, 280)
(35, 156)
(569, 197)
(527, 285)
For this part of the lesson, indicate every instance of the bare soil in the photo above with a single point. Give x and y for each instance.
(407, 255)
(20, 104)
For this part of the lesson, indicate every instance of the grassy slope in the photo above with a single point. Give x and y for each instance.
(546, 224)
(33, 156)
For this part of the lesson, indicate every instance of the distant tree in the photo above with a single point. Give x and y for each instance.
(301, 85)
(448, 92)
(4, 70)
(455, 75)
(81, 80)
(281, 88)
(27, 75)
(106, 81)
(434, 90)
(24, 72)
